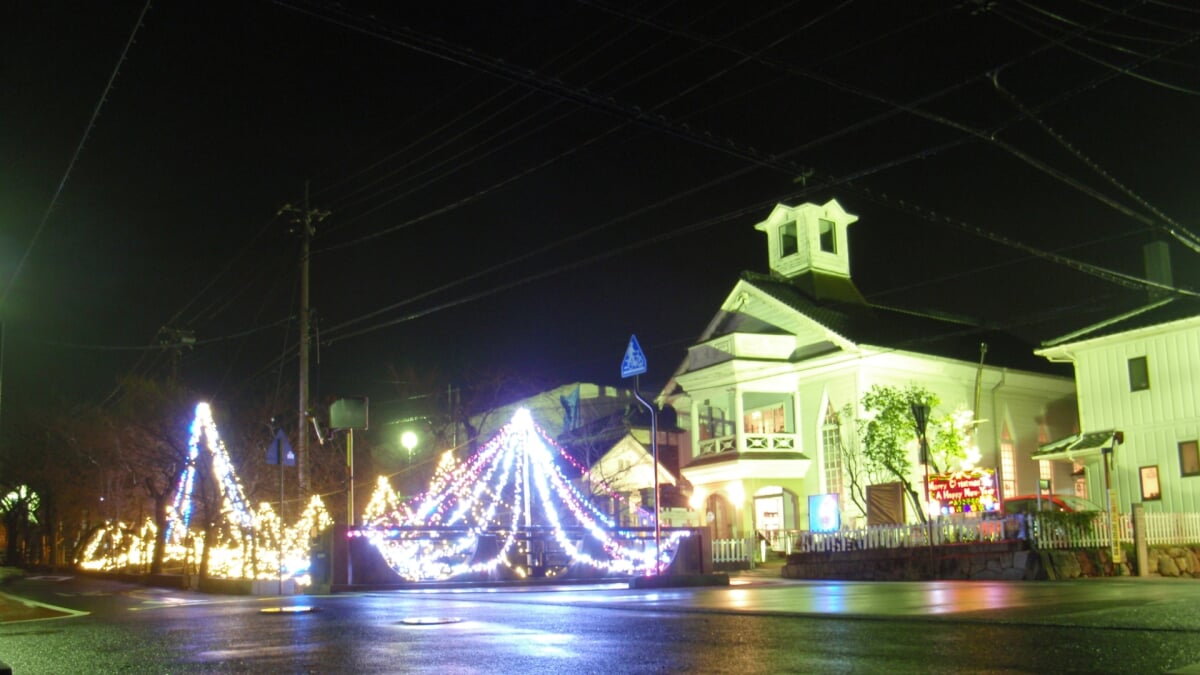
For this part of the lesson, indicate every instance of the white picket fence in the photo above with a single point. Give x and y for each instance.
(731, 551)
(1161, 529)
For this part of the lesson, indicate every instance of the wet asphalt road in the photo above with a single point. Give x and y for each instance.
(768, 626)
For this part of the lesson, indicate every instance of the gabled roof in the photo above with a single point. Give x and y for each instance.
(1160, 312)
(588, 443)
(936, 335)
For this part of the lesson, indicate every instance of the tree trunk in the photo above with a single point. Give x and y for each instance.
(160, 534)
(916, 501)
(210, 533)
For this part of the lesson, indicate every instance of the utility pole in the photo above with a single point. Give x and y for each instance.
(304, 217)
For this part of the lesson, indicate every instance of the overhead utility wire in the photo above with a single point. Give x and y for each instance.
(633, 113)
(1071, 263)
(87, 131)
(466, 58)
(173, 345)
(493, 187)
(1127, 280)
(726, 147)
(1124, 70)
(476, 155)
(1171, 5)
(466, 84)
(574, 236)
(1126, 14)
(1119, 278)
(1052, 19)
(990, 138)
(474, 113)
(1175, 229)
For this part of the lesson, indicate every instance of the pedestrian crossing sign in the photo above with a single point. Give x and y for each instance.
(634, 362)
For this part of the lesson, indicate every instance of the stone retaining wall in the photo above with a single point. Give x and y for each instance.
(1163, 561)
(1003, 560)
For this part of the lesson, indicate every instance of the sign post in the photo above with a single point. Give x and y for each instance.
(633, 365)
(280, 452)
(349, 414)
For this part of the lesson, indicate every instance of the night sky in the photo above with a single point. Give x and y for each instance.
(523, 185)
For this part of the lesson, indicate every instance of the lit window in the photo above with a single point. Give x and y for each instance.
(832, 437)
(827, 232)
(1139, 374)
(1008, 464)
(788, 244)
(772, 420)
(1151, 490)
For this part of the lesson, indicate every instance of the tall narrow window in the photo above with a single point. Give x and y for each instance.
(1139, 374)
(827, 231)
(831, 435)
(1008, 464)
(1189, 458)
(788, 244)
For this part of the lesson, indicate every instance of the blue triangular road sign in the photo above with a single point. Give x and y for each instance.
(281, 446)
(634, 362)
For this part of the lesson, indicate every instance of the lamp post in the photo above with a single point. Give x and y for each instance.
(409, 440)
(920, 414)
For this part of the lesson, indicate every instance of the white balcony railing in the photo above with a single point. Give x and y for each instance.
(753, 443)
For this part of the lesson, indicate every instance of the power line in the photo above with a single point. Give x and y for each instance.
(91, 124)
(1129, 71)
(164, 346)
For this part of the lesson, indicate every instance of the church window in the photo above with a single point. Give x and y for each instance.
(827, 231)
(788, 243)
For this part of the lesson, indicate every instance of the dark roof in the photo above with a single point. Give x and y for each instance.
(1163, 311)
(592, 440)
(828, 287)
(926, 333)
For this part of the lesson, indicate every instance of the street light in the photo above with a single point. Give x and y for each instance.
(920, 414)
(409, 440)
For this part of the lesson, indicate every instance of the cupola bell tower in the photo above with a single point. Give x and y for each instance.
(808, 238)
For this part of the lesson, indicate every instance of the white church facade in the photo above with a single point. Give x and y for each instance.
(770, 392)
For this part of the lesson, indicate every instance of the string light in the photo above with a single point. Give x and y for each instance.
(449, 533)
(247, 544)
(508, 509)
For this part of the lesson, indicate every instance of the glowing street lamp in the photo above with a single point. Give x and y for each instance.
(409, 440)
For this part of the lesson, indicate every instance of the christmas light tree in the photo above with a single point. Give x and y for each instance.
(508, 510)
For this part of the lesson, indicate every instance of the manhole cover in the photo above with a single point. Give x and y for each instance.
(429, 620)
(290, 609)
